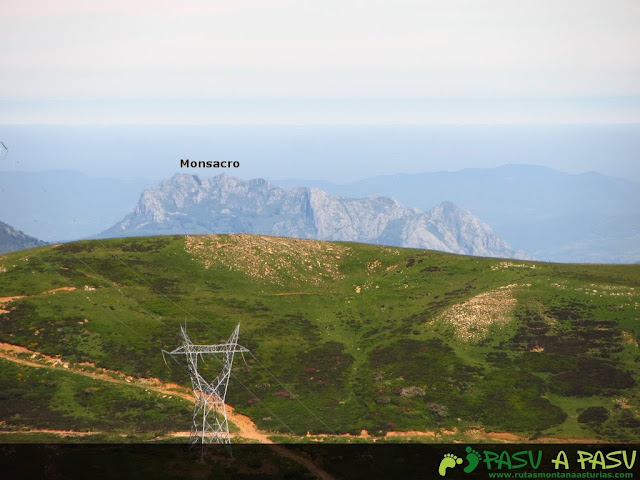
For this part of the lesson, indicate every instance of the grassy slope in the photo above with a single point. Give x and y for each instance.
(357, 333)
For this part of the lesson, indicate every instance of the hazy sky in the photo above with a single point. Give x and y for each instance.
(337, 154)
(320, 61)
(82, 80)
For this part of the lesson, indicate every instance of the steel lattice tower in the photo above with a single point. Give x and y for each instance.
(210, 423)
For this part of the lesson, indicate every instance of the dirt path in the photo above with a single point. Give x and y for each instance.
(60, 289)
(61, 433)
(506, 437)
(14, 353)
(6, 300)
(293, 293)
(246, 428)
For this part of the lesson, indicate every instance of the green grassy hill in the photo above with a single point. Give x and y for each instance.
(346, 337)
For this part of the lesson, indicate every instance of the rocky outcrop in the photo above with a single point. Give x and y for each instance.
(12, 239)
(188, 204)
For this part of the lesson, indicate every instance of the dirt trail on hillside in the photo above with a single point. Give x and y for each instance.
(506, 437)
(246, 428)
(6, 300)
(60, 433)
(60, 289)
(17, 354)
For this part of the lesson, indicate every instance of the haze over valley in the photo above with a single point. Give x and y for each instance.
(538, 212)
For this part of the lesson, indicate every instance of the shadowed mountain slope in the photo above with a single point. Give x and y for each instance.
(12, 239)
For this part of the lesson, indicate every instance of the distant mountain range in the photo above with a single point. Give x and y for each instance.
(551, 215)
(12, 239)
(223, 204)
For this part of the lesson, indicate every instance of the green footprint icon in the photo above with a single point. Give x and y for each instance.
(449, 461)
(473, 457)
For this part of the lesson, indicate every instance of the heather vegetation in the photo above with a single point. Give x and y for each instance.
(344, 338)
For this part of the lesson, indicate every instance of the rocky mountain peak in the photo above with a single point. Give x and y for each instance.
(12, 239)
(189, 204)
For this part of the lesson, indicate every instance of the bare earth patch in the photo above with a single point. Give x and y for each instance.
(60, 289)
(627, 337)
(507, 437)
(60, 433)
(269, 258)
(472, 319)
(6, 300)
(503, 265)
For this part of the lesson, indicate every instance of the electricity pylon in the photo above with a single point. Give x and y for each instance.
(210, 423)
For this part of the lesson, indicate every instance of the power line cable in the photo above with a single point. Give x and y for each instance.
(155, 317)
(210, 328)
